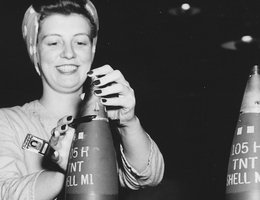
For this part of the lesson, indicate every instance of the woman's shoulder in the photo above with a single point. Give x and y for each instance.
(28, 108)
(19, 112)
(17, 122)
(31, 116)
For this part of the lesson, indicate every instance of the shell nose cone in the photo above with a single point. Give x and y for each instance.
(251, 98)
(255, 70)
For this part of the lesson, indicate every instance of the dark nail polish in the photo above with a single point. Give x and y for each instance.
(92, 116)
(63, 127)
(98, 91)
(96, 82)
(90, 72)
(69, 118)
(53, 133)
(104, 100)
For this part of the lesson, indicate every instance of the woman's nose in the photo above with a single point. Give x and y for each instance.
(68, 51)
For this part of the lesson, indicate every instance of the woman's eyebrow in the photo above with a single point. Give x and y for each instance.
(58, 35)
(79, 34)
(49, 35)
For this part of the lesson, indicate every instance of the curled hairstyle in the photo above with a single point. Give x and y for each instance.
(65, 7)
(41, 9)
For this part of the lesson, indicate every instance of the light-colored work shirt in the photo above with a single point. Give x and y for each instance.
(19, 168)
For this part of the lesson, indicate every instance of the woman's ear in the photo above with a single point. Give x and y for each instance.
(37, 68)
(94, 45)
(36, 63)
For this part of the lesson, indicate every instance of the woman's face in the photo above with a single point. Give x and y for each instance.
(65, 52)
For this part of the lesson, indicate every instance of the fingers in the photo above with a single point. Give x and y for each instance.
(112, 89)
(61, 132)
(114, 92)
(65, 120)
(62, 127)
(114, 76)
(54, 137)
(100, 71)
(55, 156)
(61, 143)
(114, 82)
(106, 75)
(57, 132)
(123, 102)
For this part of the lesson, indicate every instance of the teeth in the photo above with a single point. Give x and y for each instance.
(67, 68)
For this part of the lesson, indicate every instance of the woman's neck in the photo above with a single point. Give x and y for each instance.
(61, 105)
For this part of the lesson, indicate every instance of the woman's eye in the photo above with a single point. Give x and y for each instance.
(52, 43)
(81, 43)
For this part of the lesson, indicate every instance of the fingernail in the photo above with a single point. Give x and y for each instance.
(92, 116)
(69, 118)
(90, 72)
(55, 155)
(104, 100)
(53, 133)
(98, 91)
(79, 120)
(96, 82)
(82, 96)
(63, 127)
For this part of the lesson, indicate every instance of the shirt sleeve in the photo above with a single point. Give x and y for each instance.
(152, 175)
(15, 183)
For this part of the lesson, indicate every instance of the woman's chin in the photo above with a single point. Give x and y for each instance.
(70, 88)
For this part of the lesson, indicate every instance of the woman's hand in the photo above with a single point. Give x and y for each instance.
(119, 99)
(115, 92)
(61, 140)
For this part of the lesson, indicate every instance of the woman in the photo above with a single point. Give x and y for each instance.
(61, 40)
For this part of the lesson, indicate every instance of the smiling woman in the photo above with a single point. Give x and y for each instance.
(65, 52)
(61, 38)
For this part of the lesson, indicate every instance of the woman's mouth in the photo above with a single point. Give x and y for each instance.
(67, 69)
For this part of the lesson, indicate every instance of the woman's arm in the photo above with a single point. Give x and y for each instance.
(136, 144)
(20, 180)
(139, 151)
(60, 141)
(48, 185)
(143, 163)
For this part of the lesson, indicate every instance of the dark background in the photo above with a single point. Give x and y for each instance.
(188, 88)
